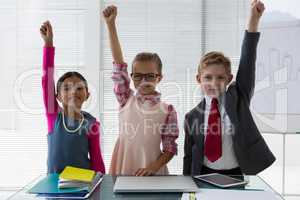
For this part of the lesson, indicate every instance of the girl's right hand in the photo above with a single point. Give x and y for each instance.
(47, 34)
(110, 14)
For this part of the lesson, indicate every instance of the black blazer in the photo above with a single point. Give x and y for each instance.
(252, 152)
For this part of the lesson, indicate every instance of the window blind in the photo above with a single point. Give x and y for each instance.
(180, 32)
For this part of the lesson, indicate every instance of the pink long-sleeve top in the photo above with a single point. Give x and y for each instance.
(53, 115)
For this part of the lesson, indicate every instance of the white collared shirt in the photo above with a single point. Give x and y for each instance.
(228, 159)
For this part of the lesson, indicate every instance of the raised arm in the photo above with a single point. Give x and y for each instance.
(48, 86)
(245, 79)
(110, 14)
(120, 75)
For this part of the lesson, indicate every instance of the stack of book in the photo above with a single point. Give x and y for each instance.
(74, 183)
(73, 177)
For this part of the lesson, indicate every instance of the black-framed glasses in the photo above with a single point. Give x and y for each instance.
(147, 77)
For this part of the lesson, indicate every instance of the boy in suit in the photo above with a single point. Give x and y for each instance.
(220, 133)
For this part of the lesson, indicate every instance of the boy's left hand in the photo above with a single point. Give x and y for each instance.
(257, 9)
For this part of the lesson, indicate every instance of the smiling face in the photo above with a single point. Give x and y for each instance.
(213, 80)
(72, 93)
(145, 76)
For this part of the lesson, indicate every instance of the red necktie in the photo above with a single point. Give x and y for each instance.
(213, 139)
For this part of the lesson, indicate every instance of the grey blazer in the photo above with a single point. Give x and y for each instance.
(252, 152)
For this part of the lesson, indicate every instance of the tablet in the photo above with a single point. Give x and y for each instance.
(221, 180)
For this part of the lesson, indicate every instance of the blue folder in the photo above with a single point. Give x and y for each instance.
(49, 185)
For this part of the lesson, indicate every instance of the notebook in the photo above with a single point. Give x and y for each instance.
(75, 177)
(134, 184)
(77, 174)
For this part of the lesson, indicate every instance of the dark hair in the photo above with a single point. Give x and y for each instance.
(68, 75)
(147, 56)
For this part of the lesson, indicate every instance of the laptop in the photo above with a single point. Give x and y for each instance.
(144, 184)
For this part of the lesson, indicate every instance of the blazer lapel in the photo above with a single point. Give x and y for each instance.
(198, 137)
(199, 133)
(231, 104)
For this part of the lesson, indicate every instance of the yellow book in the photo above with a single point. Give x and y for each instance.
(77, 174)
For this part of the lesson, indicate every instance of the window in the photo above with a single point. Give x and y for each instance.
(275, 103)
(23, 142)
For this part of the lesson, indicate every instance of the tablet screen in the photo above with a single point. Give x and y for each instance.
(220, 179)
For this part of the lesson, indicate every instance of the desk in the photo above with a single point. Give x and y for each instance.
(105, 191)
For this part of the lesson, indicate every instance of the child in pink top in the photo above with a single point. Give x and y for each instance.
(73, 135)
(146, 123)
